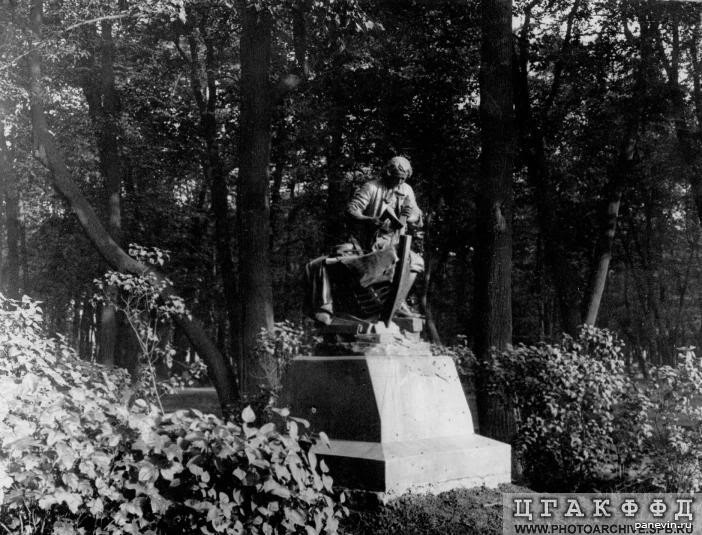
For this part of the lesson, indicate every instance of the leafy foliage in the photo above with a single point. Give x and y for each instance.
(462, 355)
(570, 402)
(148, 307)
(584, 423)
(77, 457)
(674, 449)
(276, 348)
(379, 83)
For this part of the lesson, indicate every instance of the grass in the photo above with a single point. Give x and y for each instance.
(457, 512)
(203, 399)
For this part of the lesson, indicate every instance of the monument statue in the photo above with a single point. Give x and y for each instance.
(367, 279)
(394, 411)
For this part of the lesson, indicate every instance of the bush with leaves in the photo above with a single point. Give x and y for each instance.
(581, 420)
(672, 457)
(78, 457)
(275, 350)
(462, 356)
(148, 307)
(585, 424)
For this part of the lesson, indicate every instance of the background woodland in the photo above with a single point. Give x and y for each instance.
(231, 134)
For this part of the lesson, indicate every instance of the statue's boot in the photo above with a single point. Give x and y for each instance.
(324, 315)
(404, 311)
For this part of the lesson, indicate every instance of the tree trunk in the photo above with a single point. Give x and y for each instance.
(277, 201)
(4, 172)
(603, 256)
(128, 350)
(108, 335)
(253, 201)
(75, 332)
(11, 271)
(24, 256)
(108, 140)
(220, 210)
(645, 73)
(215, 173)
(103, 103)
(564, 277)
(493, 268)
(690, 141)
(84, 348)
(220, 200)
(50, 156)
(608, 227)
(493, 299)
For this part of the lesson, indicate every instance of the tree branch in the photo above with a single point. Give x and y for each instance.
(96, 19)
(38, 44)
(560, 63)
(291, 81)
(46, 151)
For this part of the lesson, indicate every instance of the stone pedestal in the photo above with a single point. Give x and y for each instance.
(410, 325)
(396, 423)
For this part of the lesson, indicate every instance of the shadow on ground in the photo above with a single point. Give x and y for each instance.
(203, 399)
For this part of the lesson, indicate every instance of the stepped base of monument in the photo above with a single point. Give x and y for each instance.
(430, 465)
(397, 422)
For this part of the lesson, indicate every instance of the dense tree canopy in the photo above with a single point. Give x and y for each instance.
(231, 134)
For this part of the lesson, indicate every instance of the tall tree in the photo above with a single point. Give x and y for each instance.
(607, 226)
(103, 103)
(47, 152)
(201, 27)
(640, 108)
(493, 267)
(9, 187)
(493, 274)
(253, 210)
(533, 125)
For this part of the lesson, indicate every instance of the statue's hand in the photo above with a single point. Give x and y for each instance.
(376, 221)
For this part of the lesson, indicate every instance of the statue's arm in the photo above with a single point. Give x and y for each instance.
(360, 201)
(411, 210)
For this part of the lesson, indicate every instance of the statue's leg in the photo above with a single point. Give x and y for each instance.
(325, 311)
(321, 305)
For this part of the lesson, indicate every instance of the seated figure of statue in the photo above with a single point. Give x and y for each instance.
(369, 277)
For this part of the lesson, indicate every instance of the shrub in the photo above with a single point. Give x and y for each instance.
(671, 462)
(580, 420)
(77, 457)
(275, 350)
(463, 357)
(584, 424)
(148, 307)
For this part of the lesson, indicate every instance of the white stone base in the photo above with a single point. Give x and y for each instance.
(431, 465)
(397, 423)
